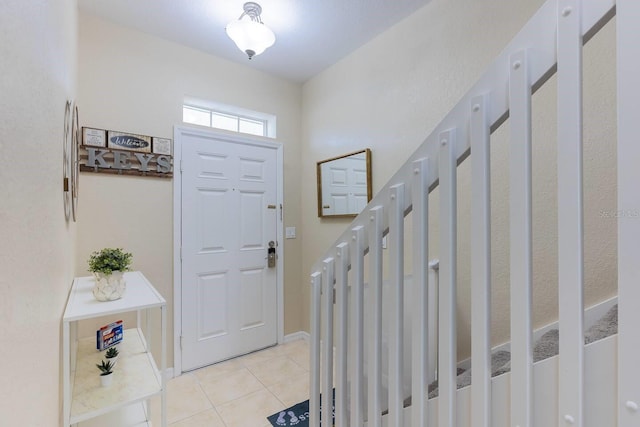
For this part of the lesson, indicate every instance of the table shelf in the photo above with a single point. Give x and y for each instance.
(136, 374)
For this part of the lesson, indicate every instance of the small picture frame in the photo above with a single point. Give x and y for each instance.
(94, 137)
(129, 141)
(162, 146)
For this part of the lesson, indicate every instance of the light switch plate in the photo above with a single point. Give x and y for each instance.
(290, 232)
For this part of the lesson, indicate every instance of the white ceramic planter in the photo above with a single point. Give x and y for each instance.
(106, 380)
(109, 287)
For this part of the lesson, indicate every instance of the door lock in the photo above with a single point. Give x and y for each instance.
(271, 255)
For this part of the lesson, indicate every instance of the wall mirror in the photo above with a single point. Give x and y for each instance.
(344, 184)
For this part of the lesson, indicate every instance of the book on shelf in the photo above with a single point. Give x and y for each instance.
(109, 335)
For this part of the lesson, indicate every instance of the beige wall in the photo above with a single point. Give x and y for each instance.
(134, 82)
(38, 69)
(382, 96)
(390, 94)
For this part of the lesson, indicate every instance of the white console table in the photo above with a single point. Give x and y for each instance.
(136, 377)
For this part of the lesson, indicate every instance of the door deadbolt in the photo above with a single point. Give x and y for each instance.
(271, 255)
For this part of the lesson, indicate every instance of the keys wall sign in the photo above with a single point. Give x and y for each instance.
(107, 151)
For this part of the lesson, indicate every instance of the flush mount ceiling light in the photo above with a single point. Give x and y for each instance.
(249, 33)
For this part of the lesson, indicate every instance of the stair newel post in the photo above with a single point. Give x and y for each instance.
(628, 52)
(314, 351)
(342, 277)
(480, 262)
(520, 240)
(420, 305)
(374, 354)
(326, 398)
(447, 295)
(396, 341)
(570, 215)
(358, 242)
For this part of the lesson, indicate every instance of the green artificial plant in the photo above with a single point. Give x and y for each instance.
(106, 367)
(112, 352)
(109, 260)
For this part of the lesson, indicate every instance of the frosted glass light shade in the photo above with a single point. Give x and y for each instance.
(251, 37)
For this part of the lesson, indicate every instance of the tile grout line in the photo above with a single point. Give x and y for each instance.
(211, 403)
(270, 354)
(265, 386)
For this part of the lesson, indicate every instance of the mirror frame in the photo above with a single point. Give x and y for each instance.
(319, 181)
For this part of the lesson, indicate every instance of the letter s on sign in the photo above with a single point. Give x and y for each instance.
(164, 165)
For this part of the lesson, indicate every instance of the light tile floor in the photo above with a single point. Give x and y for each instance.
(240, 392)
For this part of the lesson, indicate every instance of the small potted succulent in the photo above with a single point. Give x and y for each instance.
(112, 355)
(106, 372)
(108, 266)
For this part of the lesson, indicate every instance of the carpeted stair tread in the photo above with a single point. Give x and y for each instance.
(606, 326)
(548, 345)
(498, 359)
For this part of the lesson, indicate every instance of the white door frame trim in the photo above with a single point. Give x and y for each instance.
(237, 138)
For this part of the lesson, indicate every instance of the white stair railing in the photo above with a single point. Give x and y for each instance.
(628, 66)
(551, 41)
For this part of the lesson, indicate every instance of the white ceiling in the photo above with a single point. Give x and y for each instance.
(311, 35)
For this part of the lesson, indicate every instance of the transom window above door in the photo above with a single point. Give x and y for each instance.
(235, 119)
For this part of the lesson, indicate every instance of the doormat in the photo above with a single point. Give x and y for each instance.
(298, 414)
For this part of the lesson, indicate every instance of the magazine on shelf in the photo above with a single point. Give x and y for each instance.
(109, 335)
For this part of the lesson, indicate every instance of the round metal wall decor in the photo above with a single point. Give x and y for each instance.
(75, 162)
(66, 160)
(70, 160)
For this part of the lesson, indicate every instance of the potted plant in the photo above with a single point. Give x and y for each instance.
(106, 372)
(112, 355)
(108, 266)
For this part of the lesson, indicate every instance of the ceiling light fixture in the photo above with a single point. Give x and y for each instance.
(250, 34)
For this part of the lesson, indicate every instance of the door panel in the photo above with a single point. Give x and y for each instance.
(229, 295)
(251, 227)
(211, 220)
(212, 323)
(252, 288)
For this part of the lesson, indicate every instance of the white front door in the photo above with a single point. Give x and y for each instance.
(229, 217)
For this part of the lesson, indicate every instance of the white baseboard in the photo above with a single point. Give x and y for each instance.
(300, 335)
(169, 373)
